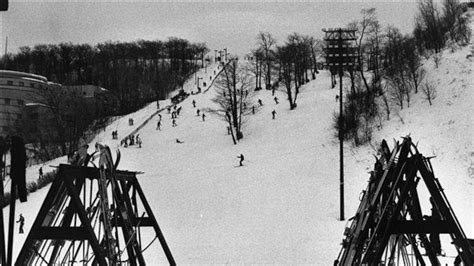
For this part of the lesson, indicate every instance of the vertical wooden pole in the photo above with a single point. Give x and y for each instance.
(341, 129)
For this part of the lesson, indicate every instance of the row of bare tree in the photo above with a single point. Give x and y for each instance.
(390, 63)
(288, 63)
(435, 27)
(136, 72)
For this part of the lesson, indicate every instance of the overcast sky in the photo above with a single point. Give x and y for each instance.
(220, 24)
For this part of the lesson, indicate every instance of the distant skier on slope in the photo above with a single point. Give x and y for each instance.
(260, 102)
(174, 123)
(22, 223)
(203, 117)
(158, 125)
(273, 114)
(138, 140)
(276, 100)
(241, 159)
(194, 103)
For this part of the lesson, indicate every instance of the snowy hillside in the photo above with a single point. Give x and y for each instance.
(282, 207)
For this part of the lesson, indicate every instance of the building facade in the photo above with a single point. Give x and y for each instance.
(17, 90)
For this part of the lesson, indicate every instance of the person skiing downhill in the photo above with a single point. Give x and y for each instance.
(158, 125)
(241, 159)
(276, 100)
(194, 103)
(203, 117)
(273, 114)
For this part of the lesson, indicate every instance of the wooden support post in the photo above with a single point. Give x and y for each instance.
(159, 234)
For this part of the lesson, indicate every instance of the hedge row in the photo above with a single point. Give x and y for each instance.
(31, 187)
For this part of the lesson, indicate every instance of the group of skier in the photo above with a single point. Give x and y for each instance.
(115, 134)
(131, 140)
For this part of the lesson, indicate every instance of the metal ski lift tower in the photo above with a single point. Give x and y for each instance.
(340, 54)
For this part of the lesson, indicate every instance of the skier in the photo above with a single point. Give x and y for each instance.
(276, 100)
(40, 172)
(158, 125)
(197, 112)
(194, 103)
(174, 123)
(260, 102)
(179, 141)
(203, 117)
(139, 141)
(273, 114)
(159, 117)
(253, 110)
(22, 223)
(241, 159)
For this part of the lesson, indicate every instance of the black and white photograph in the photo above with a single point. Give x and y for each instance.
(197, 132)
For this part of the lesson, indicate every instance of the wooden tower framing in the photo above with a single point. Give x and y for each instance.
(390, 219)
(70, 225)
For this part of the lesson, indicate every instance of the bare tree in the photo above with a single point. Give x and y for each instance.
(429, 27)
(234, 98)
(397, 88)
(364, 27)
(429, 90)
(385, 99)
(266, 42)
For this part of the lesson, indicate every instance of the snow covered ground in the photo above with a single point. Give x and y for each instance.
(282, 207)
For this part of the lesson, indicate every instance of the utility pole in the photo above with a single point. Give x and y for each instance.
(340, 54)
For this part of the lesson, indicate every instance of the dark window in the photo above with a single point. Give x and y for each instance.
(22, 83)
(9, 82)
(7, 101)
(20, 102)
